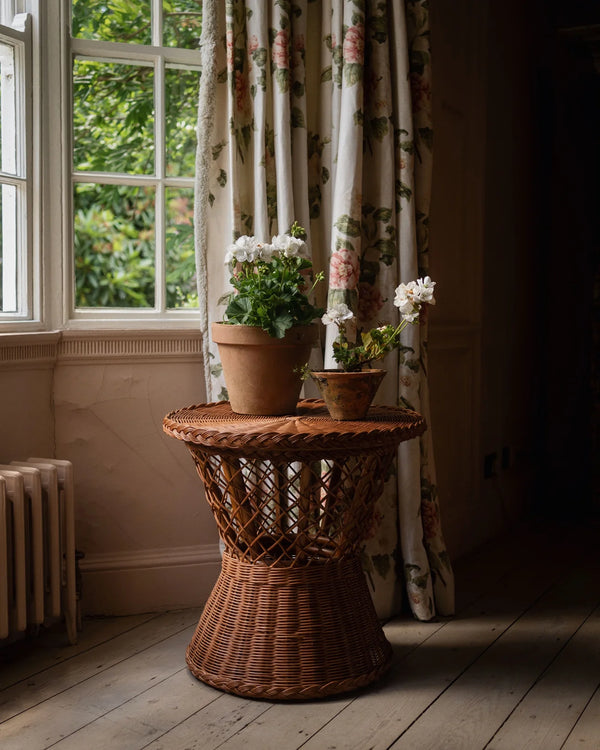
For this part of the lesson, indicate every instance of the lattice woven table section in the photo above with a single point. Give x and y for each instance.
(288, 490)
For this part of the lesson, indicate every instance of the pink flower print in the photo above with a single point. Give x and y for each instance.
(370, 302)
(420, 91)
(344, 269)
(429, 518)
(279, 52)
(252, 44)
(242, 100)
(354, 45)
(229, 43)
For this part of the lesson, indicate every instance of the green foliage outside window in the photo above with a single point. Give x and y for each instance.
(113, 133)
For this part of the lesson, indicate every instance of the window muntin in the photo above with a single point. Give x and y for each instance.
(133, 126)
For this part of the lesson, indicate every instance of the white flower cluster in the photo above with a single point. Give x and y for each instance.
(410, 297)
(337, 313)
(249, 250)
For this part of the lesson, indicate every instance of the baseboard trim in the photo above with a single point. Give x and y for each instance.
(152, 580)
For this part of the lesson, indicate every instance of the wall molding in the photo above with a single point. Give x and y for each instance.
(162, 557)
(151, 580)
(24, 350)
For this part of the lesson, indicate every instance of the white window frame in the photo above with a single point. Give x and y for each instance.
(17, 30)
(160, 58)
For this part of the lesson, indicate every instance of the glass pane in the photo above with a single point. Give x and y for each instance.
(114, 246)
(181, 105)
(8, 130)
(113, 20)
(180, 261)
(182, 23)
(8, 248)
(113, 117)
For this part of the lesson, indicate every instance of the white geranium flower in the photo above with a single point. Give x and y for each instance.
(337, 313)
(244, 249)
(403, 296)
(423, 291)
(291, 247)
(411, 315)
(265, 252)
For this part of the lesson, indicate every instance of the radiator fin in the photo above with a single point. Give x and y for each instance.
(37, 546)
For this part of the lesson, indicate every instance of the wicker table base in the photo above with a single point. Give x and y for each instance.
(290, 616)
(289, 633)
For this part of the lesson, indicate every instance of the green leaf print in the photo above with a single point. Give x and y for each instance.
(382, 564)
(326, 74)
(387, 251)
(217, 148)
(378, 27)
(426, 135)
(379, 127)
(418, 60)
(260, 56)
(297, 118)
(222, 178)
(383, 214)
(283, 79)
(353, 73)
(347, 225)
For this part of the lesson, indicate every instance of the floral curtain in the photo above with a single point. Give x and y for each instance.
(319, 111)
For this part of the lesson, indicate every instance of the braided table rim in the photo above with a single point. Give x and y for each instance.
(215, 425)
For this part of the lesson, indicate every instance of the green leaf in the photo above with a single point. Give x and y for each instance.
(382, 564)
(297, 118)
(349, 226)
(387, 251)
(298, 89)
(353, 73)
(283, 79)
(379, 127)
(426, 135)
(326, 74)
(260, 56)
(383, 214)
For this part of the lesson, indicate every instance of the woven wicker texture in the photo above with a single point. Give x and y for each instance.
(276, 633)
(293, 498)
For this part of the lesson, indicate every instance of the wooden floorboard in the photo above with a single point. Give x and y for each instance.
(518, 668)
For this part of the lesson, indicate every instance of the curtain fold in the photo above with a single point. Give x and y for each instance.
(321, 113)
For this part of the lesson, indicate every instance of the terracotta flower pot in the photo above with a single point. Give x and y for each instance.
(348, 395)
(261, 372)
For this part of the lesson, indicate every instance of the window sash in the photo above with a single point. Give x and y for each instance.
(160, 58)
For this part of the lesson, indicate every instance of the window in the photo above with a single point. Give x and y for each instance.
(16, 233)
(135, 77)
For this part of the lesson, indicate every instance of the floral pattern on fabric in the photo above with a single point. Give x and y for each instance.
(323, 115)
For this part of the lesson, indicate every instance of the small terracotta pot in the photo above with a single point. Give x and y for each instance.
(261, 372)
(348, 395)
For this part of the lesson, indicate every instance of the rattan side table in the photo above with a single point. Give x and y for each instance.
(290, 616)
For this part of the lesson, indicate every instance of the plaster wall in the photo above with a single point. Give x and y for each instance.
(148, 536)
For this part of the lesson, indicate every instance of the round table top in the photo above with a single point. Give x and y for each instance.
(216, 426)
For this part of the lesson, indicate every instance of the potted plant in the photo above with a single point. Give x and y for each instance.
(349, 391)
(268, 329)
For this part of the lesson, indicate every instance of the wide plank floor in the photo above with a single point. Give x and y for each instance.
(518, 667)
